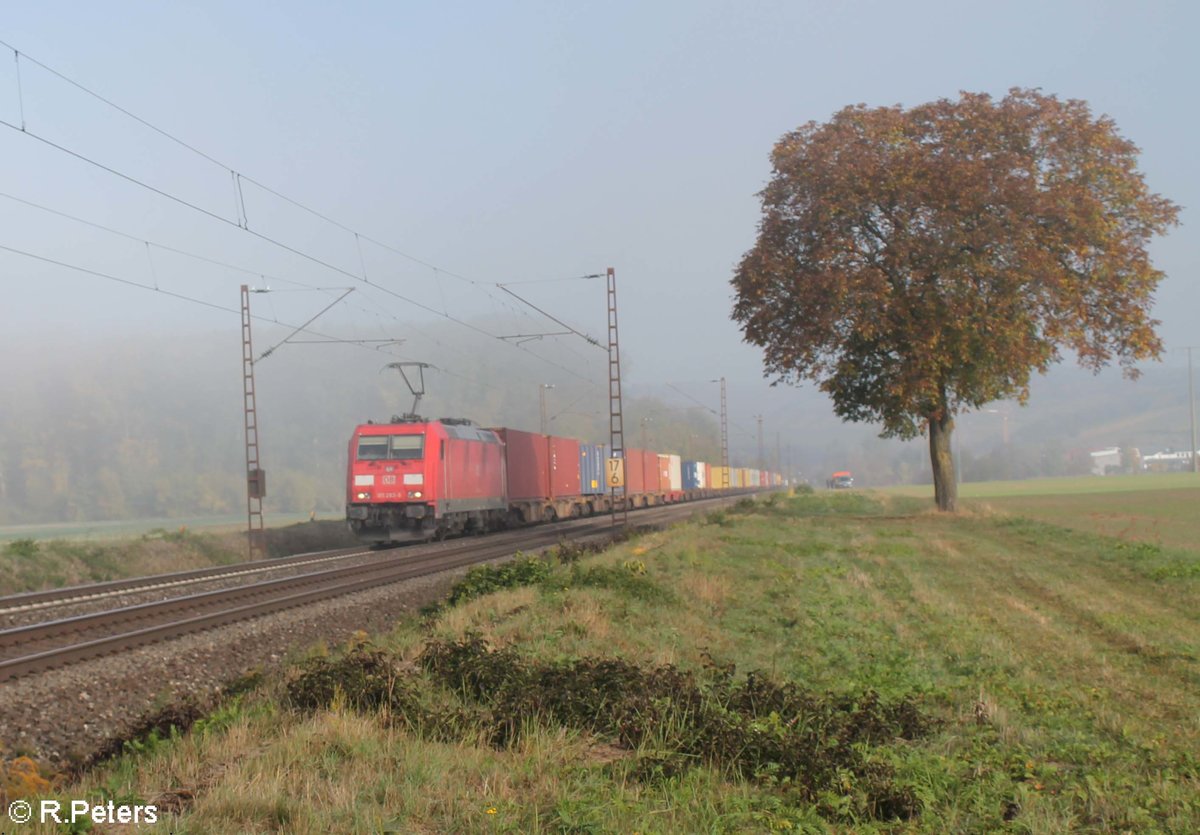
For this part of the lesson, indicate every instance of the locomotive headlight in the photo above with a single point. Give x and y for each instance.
(414, 494)
(362, 496)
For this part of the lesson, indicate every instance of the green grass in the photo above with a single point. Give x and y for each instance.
(1073, 485)
(132, 528)
(30, 565)
(1059, 672)
(1159, 509)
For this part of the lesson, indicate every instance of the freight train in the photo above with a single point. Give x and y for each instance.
(417, 479)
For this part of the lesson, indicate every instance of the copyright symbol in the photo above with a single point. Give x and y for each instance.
(19, 811)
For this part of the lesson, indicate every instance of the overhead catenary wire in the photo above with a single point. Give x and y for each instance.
(300, 328)
(126, 281)
(555, 319)
(693, 399)
(236, 176)
(234, 173)
(734, 424)
(241, 221)
(222, 308)
(266, 277)
(157, 245)
(150, 245)
(192, 300)
(558, 279)
(297, 329)
(277, 243)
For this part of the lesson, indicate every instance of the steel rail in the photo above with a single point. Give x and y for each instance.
(285, 593)
(39, 632)
(27, 601)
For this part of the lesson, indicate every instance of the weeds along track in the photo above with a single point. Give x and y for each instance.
(42, 646)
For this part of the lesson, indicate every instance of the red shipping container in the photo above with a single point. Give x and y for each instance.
(470, 467)
(650, 471)
(564, 468)
(527, 460)
(635, 475)
(664, 473)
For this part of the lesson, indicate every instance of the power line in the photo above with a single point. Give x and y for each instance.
(242, 221)
(274, 242)
(172, 137)
(126, 281)
(238, 176)
(300, 328)
(299, 285)
(694, 400)
(156, 245)
(549, 280)
(552, 318)
(224, 309)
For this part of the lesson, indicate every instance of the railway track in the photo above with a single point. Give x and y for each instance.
(34, 648)
(35, 600)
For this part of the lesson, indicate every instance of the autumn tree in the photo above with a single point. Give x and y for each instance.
(918, 263)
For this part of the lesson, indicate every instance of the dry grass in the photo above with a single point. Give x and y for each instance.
(587, 613)
(709, 589)
(484, 614)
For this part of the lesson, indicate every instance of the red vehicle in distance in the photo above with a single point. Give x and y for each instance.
(841, 480)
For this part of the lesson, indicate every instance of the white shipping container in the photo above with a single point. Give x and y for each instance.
(675, 471)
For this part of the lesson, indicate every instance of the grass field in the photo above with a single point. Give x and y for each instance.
(915, 673)
(1160, 509)
(1074, 485)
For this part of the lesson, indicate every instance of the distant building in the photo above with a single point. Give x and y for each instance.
(1168, 461)
(1106, 461)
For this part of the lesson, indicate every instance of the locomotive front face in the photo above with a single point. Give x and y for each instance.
(389, 467)
(390, 489)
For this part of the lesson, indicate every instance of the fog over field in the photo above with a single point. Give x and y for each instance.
(100, 427)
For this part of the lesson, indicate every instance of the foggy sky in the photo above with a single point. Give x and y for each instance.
(506, 142)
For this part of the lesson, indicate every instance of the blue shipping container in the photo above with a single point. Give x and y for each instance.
(591, 469)
(691, 475)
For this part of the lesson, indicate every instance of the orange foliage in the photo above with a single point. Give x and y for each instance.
(20, 777)
(916, 263)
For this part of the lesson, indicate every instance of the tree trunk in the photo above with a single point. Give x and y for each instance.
(945, 488)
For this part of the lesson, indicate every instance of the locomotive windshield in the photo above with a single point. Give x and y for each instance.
(380, 447)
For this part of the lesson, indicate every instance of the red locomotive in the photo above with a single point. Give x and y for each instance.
(415, 479)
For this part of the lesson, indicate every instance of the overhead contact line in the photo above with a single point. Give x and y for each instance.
(242, 221)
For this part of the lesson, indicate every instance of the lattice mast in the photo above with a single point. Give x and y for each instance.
(724, 438)
(616, 425)
(256, 486)
(762, 456)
